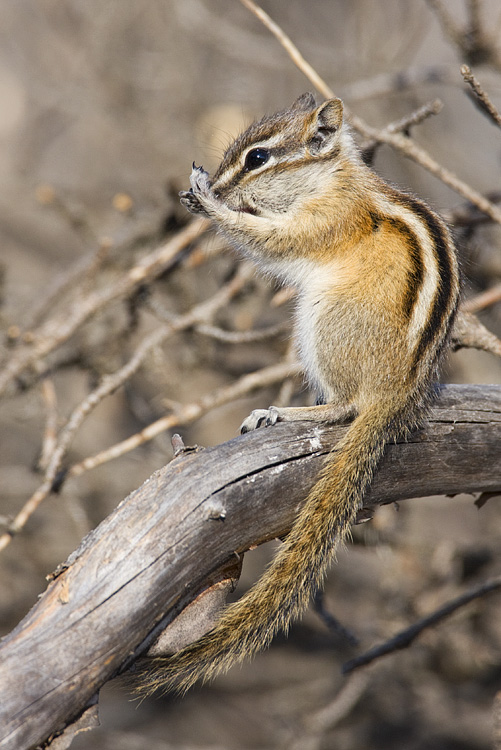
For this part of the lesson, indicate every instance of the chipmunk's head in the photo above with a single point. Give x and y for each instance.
(280, 159)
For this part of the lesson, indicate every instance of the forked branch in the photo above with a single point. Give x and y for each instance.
(151, 557)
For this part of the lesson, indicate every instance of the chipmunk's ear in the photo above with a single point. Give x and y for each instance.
(328, 118)
(330, 114)
(305, 102)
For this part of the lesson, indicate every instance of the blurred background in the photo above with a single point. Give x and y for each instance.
(104, 106)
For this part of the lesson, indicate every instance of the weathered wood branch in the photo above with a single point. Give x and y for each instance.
(134, 573)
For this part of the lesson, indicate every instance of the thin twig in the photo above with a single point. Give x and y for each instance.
(401, 142)
(417, 117)
(404, 124)
(241, 337)
(485, 299)
(450, 28)
(50, 432)
(319, 722)
(286, 391)
(328, 716)
(220, 334)
(290, 48)
(407, 636)
(284, 295)
(109, 385)
(87, 265)
(56, 331)
(473, 42)
(334, 625)
(475, 18)
(467, 216)
(481, 97)
(469, 332)
(191, 412)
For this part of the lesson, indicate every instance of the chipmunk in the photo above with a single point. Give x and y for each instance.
(377, 280)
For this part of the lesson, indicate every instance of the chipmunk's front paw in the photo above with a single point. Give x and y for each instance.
(260, 418)
(191, 202)
(199, 197)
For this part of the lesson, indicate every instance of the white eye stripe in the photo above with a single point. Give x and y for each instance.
(230, 175)
(267, 144)
(233, 171)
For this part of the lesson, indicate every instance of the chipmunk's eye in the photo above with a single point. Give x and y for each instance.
(256, 158)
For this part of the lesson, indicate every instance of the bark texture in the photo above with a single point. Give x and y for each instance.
(171, 538)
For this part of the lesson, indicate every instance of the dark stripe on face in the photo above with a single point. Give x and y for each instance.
(444, 303)
(243, 178)
(416, 274)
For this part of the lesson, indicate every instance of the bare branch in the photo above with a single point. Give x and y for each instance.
(183, 416)
(191, 412)
(400, 142)
(469, 332)
(468, 215)
(406, 123)
(473, 42)
(55, 331)
(481, 96)
(109, 385)
(85, 267)
(50, 433)
(417, 117)
(150, 558)
(330, 715)
(291, 49)
(451, 29)
(286, 391)
(331, 622)
(484, 299)
(241, 337)
(407, 636)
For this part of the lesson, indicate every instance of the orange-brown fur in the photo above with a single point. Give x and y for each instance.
(377, 290)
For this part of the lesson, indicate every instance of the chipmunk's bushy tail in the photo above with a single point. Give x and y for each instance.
(299, 568)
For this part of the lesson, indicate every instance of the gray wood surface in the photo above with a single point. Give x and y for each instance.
(144, 562)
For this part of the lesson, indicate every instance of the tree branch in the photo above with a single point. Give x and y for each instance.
(134, 573)
(480, 96)
(398, 141)
(405, 637)
(57, 330)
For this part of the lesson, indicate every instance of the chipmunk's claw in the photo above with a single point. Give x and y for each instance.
(199, 180)
(260, 418)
